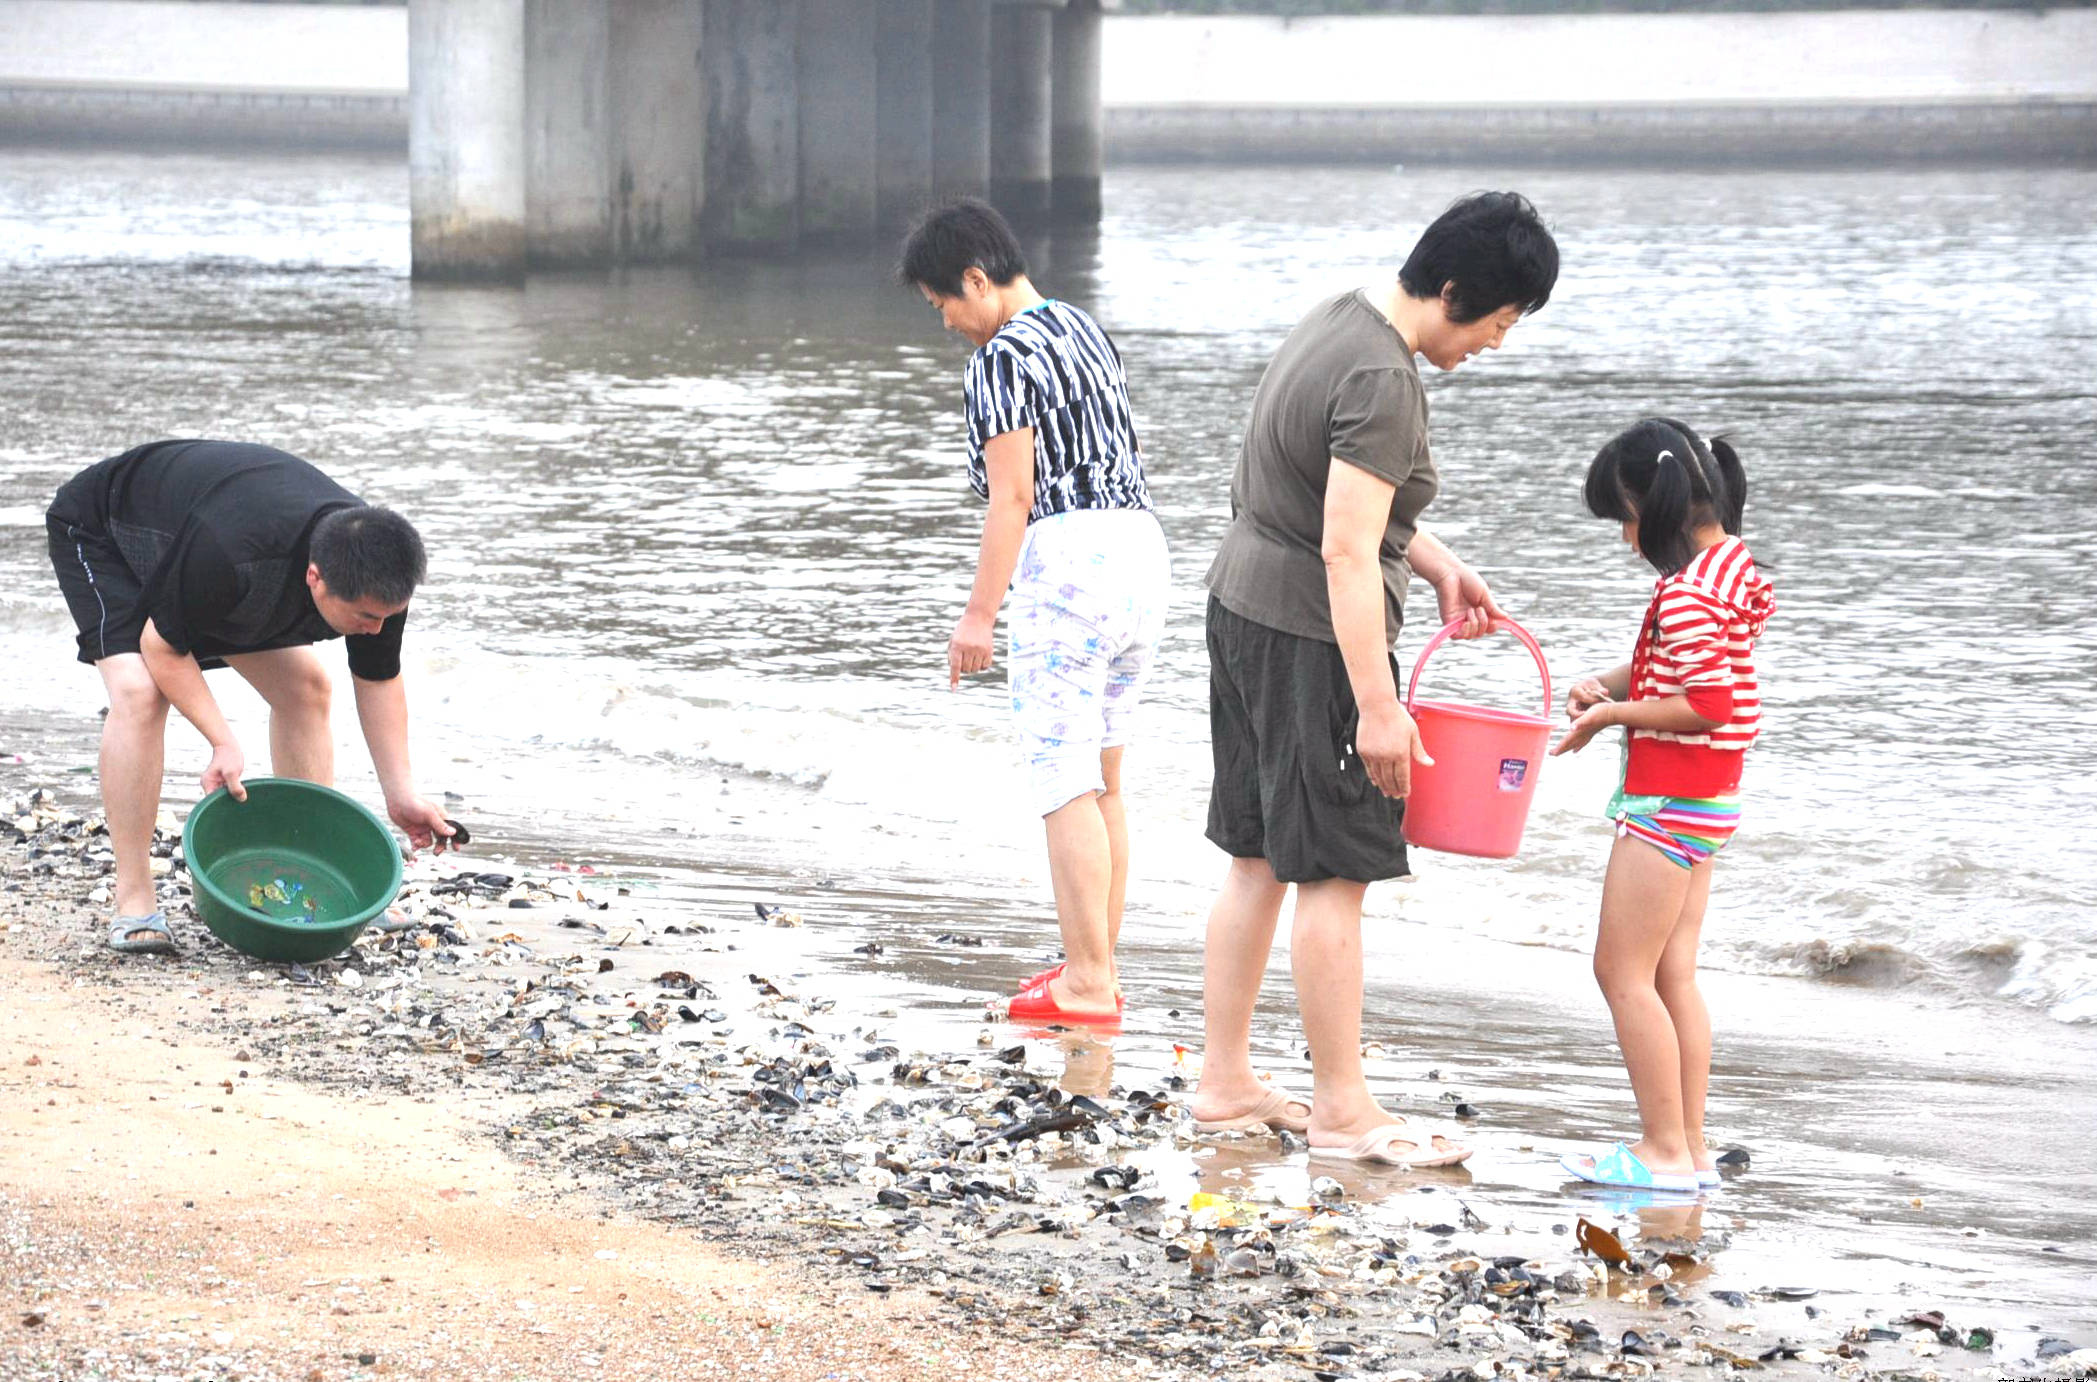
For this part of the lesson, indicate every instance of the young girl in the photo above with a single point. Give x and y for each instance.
(1052, 446)
(1689, 701)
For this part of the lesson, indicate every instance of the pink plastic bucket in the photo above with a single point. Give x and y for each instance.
(1474, 798)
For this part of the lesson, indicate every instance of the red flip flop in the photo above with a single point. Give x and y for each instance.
(1039, 1007)
(1037, 987)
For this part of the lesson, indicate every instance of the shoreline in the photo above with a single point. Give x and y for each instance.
(704, 819)
(676, 1128)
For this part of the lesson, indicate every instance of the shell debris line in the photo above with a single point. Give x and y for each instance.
(647, 1061)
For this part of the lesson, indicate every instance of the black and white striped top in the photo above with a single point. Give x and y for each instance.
(1052, 369)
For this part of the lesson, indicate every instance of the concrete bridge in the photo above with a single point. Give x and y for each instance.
(546, 133)
(551, 132)
(563, 132)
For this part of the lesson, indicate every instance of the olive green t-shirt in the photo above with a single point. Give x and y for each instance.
(1343, 386)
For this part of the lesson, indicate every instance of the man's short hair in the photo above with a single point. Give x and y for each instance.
(369, 551)
(1493, 249)
(949, 240)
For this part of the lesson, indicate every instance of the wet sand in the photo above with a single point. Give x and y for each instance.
(1878, 1188)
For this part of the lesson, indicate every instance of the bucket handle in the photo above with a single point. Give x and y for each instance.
(1412, 684)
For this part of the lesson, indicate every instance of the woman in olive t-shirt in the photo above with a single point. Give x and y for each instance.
(1313, 750)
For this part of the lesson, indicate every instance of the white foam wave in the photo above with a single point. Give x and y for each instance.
(2063, 984)
(939, 774)
(1874, 490)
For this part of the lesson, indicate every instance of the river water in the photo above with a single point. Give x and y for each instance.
(698, 538)
(688, 523)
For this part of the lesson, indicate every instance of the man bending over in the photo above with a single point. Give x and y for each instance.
(181, 556)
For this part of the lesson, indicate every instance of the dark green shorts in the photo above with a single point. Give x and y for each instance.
(1289, 786)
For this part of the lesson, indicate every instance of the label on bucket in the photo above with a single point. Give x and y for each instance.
(1513, 772)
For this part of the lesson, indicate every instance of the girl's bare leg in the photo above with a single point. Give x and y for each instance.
(1677, 986)
(1642, 899)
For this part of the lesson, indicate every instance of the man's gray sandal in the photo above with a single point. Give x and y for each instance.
(161, 942)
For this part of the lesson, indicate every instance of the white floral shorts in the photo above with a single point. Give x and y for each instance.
(1086, 613)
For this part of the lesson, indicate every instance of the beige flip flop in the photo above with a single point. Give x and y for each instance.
(1374, 1148)
(1271, 1111)
(160, 941)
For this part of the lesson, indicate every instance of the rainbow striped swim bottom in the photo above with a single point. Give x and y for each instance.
(1688, 830)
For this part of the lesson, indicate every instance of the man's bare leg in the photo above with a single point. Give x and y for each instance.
(299, 692)
(134, 752)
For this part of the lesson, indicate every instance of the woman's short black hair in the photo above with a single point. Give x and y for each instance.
(949, 240)
(365, 551)
(1492, 251)
(1660, 474)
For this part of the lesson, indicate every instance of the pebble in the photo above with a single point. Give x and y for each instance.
(745, 1106)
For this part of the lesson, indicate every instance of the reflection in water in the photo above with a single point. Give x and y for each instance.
(1088, 1064)
(1671, 1228)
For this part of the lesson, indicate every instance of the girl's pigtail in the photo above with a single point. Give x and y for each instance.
(1731, 502)
(1663, 514)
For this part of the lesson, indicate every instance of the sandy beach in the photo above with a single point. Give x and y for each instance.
(562, 1127)
(171, 1210)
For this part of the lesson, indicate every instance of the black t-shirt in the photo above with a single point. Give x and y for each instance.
(217, 534)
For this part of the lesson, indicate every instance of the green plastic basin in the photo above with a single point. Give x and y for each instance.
(293, 873)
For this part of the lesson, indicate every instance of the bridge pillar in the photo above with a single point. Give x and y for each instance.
(659, 116)
(1020, 135)
(1078, 123)
(903, 108)
(567, 189)
(961, 98)
(585, 131)
(467, 167)
(837, 128)
(753, 163)
(1022, 54)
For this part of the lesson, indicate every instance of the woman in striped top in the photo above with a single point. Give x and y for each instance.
(1690, 703)
(1052, 447)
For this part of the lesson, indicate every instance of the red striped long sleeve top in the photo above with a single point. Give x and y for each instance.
(1699, 641)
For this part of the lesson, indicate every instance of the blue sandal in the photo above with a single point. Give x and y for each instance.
(161, 942)
(1619, 1169)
